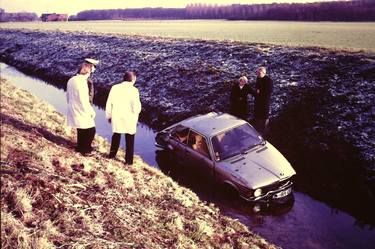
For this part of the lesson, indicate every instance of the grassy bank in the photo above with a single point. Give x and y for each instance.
(52, 197)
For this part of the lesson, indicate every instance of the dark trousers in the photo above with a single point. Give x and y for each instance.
(239, 111)
(84, 139)
(262, 125)
(129, 139)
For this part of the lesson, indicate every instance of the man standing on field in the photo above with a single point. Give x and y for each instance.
(262, 94)
(238, 98)
(81, 114)
(122, 110)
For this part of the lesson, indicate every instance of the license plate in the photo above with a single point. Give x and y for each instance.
(283, 193)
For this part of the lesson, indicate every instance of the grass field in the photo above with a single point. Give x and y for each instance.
(337, 35)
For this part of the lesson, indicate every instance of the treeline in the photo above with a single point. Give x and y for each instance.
(17, 17)
(118, 14)
(359, 10)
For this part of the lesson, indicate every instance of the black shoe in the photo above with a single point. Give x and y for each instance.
(110, 156)
(87, 153)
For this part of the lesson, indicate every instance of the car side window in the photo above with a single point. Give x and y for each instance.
(180, 134)
(198, 143)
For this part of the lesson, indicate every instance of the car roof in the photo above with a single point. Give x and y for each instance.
(212, 123)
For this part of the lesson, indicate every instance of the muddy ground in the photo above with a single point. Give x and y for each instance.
(323, 108)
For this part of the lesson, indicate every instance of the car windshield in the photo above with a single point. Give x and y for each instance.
(235, 141)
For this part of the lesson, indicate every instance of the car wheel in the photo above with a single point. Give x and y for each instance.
(229, 192)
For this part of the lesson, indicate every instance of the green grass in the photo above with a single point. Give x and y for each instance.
(336, 35)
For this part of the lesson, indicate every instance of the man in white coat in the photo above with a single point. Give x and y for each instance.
(81, 114)
(122, 110)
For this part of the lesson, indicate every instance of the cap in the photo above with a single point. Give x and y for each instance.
(92, 61)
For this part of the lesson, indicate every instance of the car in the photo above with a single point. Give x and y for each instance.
(233, 153)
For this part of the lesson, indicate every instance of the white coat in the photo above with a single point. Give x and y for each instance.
(80, 112)
(123, 108)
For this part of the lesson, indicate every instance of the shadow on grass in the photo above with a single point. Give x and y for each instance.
(19, 125)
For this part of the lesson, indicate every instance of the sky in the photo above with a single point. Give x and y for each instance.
(72, 7)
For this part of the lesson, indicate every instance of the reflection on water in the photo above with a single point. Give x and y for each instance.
(306, 223)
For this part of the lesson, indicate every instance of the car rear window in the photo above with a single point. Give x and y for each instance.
(180, 133)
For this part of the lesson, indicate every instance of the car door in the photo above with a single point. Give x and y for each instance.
(178, 141)
(198, 154)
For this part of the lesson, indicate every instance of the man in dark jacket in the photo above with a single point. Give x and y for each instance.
(238, 98)
(262, 94)
(90, 83)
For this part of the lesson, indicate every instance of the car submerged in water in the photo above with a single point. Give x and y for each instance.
(232, 152)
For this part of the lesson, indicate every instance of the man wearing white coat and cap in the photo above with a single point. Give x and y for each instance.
(122, 110)
(81, 114)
